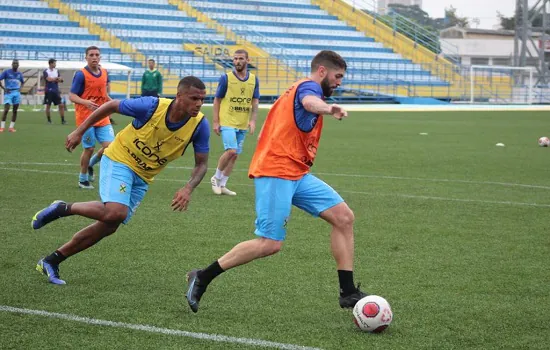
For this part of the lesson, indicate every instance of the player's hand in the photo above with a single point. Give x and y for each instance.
(60, 80)
(252, 126)
(338, 112)
(91, 105)
(73, 140)
(181, 199)
(216, 128)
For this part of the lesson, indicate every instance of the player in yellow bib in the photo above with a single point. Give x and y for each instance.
(235, 112)
(160, 133)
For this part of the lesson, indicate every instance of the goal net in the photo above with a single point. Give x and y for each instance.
(502, 85)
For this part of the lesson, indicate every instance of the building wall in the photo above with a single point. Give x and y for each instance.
(494, 51)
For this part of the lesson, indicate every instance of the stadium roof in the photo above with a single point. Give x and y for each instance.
(62, 65)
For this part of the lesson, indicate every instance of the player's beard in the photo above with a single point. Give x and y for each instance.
(325, 86)
(240, 68)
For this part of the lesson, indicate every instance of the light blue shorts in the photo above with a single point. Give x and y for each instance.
(98, 134)
(120, 184)
(12, 98)
(275, 197)
(233, 138)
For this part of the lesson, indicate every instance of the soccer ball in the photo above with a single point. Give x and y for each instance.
(372, 314)
(544, 141)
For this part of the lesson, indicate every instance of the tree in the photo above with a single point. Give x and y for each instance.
(452, 19)
(507, 23)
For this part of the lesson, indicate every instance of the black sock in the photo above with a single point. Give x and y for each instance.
(64, 209)
(49, 119)
(207, 275)
(346, 283)
(55, 258)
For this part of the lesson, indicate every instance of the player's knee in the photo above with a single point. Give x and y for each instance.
(115, 215)
(345, 218)
(270, 246)
(232, 152)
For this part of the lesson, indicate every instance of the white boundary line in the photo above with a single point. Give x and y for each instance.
(367, 176)
(401, 195)
(153, 329)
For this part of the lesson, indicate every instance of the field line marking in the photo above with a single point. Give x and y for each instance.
(389, 177)
(402, 195)
(153, 329)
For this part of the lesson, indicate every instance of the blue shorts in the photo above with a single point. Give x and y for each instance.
(12, 98)
(233, 138)
(275, 197)
(98, 134)
(120, 184)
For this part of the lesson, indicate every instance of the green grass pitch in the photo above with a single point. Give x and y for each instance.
(450, 229)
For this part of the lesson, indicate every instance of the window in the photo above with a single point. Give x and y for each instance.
(501, 61)
(483, 61)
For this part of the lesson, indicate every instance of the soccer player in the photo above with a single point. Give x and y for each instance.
(235, 111)
(151, 82)
(53, 95)
(12, 93)
(286, 150)
(89, 90)
(160, 133)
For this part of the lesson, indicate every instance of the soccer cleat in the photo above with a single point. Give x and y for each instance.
(91, 174)
(194, 290)
(227, 191)
(352, 299)
(46, 215)
(1, 129)
(215, 185)
(50, 122)
(85, 185)
(50, 270)
(63, 122)
(12, 130)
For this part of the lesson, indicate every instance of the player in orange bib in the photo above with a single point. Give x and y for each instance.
(89, 90)
(286, 150)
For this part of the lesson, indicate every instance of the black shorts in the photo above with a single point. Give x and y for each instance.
(52, 97)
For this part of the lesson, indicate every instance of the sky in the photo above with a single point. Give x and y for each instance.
(485, 10)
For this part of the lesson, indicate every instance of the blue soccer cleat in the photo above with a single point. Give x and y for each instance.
(52, 271)
(195, 290)
(46, 215)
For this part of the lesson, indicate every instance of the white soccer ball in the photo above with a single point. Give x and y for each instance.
(372, 314)
(544, 141)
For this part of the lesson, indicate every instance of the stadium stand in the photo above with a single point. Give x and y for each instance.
(281, 35)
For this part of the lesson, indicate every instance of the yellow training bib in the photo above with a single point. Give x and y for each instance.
(237, 103)
(150, 148)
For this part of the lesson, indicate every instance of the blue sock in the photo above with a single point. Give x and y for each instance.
(83, 177)
(94, 160)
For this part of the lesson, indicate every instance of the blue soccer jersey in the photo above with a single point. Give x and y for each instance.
(13, 80)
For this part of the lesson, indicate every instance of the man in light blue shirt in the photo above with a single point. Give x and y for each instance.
(13, 81)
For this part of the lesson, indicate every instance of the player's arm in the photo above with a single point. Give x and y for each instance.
(316, 105)
(201, 141)
(220, 94)
(216, 115)
(109, 91)
(255, 104)
(201, 146)
(159, 81)
(75, 137)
